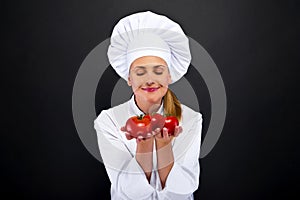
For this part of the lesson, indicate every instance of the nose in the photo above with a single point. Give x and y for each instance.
(149, 82)
(150, 79)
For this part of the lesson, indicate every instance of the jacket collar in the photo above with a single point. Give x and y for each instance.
(134, 109)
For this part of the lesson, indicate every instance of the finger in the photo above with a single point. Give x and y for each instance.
(177, 131)
(156, 131)
(149, 135)
(137, 140)
(180, 129)
(123, 128)
(165, 133)
(156, 134)
(140, 138)
(128, 136)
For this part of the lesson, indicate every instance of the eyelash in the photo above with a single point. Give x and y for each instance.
(157, 73)
(140, 74)
(160, 72)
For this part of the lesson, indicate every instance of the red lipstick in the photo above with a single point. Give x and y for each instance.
(150, 89)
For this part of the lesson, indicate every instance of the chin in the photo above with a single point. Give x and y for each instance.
(152, 98)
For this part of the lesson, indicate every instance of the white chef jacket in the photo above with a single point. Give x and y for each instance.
(128, 180)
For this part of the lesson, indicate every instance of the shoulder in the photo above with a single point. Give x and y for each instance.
(110, 115)
(189, 113)
(190, 117)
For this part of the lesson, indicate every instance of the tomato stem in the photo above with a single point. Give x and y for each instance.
(167, 115)
(140, 117)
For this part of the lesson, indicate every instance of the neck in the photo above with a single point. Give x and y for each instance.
(146, 106)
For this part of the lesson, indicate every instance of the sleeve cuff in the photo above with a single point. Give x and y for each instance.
(133, 182)
(179, 184)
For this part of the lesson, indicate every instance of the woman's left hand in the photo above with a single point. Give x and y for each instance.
(164, 138)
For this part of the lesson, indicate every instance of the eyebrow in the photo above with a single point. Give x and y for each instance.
(157, 66)
(143, 67)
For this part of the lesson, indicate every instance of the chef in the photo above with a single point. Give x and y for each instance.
(150, 52)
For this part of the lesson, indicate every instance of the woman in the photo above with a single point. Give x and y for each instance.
(150, 52)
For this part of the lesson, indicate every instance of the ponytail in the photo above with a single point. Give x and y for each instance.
(172, 105)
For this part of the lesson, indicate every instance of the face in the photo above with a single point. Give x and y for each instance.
(149, 78)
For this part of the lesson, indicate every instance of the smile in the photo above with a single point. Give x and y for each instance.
(150, 89)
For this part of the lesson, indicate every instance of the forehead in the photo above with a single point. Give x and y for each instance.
(147, 67)
(148, 61)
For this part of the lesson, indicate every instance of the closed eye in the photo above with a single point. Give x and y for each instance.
(159, 69)
(140, 71)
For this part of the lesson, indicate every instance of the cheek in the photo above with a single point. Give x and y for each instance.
(163, 81)
(136, 82)
(164, 91)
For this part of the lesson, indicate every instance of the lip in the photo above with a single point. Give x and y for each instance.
(150, 89)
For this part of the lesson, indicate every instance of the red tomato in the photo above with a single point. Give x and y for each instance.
(138, 125)
(157, 121)
(170, 123)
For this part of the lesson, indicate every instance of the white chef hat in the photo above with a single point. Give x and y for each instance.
(149, 34)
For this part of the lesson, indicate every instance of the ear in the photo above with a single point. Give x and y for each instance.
(129, 81)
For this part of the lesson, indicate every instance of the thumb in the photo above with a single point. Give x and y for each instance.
(128, 136)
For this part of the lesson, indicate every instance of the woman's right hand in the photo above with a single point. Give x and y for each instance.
(139, 138)
(144, 151)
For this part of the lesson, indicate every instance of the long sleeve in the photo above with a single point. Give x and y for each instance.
(128, 180)
(183, 178)
(127, 177)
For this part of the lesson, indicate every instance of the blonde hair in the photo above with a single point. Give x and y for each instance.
(172, 105)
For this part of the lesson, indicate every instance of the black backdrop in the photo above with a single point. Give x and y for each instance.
(255, 45)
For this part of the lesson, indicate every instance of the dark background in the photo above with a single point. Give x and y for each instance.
(255, 45)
